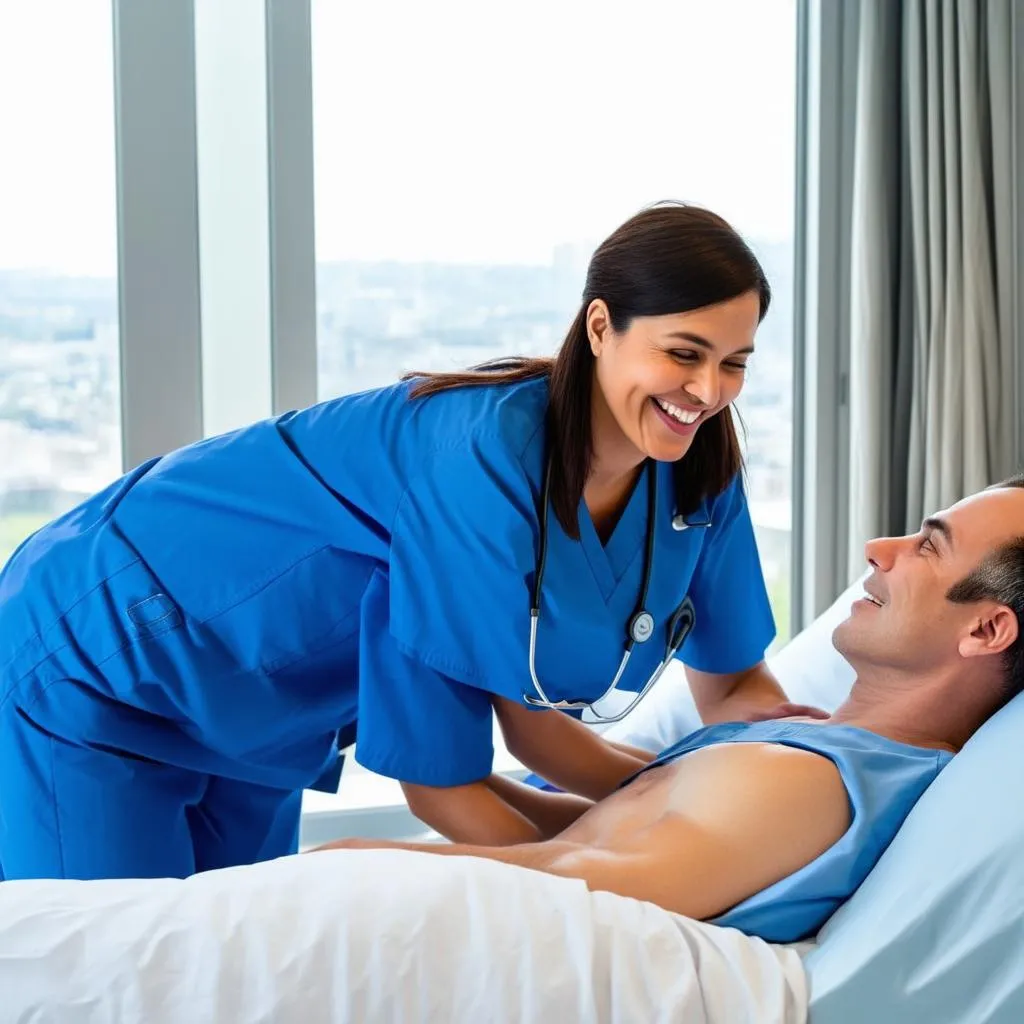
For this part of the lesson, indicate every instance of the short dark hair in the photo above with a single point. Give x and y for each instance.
(669, 258)
(1000, 577)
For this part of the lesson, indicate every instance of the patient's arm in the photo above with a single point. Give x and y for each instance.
(564, 751)
(760, 813)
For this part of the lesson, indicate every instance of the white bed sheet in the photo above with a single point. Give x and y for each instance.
(360, 936)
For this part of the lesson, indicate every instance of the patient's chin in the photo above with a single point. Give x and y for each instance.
(858, 645)
(844, 638)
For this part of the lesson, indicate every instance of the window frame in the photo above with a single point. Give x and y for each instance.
(1017, 157)
(826, 113)
(157, 228)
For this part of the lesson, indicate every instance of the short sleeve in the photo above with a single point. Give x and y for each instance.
(448, 624)
(462, 558)
(734, 624)
(415, 724)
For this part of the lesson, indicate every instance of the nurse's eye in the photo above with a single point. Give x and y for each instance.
(684, 355)
(736, 367)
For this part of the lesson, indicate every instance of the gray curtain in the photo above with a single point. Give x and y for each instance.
(931, 360)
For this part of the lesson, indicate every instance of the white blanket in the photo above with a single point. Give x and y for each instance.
(375, 936)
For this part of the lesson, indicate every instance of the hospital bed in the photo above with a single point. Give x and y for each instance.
(933, 936)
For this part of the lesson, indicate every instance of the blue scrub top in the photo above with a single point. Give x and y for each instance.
(371, 558)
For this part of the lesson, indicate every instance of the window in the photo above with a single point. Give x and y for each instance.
(468, 159)
(59, 372)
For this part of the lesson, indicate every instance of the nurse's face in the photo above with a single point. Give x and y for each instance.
(658, 381)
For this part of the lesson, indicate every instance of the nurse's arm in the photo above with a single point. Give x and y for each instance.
(644, 756)
(742, 696)
(551, 813)
(564, 751)
(473, 813)
(495, 812)
(785, 808)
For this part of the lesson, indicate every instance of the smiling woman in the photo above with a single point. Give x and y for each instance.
(667, 372)
(671, 303)
(645, 377)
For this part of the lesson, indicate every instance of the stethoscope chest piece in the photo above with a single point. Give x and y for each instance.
(641, 627)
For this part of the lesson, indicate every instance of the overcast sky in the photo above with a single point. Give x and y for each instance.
(444, 131)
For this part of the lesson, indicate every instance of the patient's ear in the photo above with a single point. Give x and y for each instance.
(992, 632)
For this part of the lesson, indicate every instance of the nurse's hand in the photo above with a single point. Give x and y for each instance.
(786, 710)
(751, 696)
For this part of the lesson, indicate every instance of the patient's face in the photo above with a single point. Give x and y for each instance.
(906, 621)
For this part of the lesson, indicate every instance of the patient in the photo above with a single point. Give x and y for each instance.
(769, 826)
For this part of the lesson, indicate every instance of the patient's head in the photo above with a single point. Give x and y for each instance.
(947, 603)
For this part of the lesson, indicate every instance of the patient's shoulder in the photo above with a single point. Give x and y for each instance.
(775, 772)
(729, 820)
(786, 803)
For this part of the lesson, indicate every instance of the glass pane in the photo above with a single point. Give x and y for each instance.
(59, 372)
(469, 157)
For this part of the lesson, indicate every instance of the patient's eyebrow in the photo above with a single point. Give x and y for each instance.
(939, 526)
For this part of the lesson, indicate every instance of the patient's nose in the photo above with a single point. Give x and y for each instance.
(880, 553)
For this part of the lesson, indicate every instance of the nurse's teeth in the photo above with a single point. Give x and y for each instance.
(676, 413)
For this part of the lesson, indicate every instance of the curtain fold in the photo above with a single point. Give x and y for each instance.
(875, 263)
(931, 289)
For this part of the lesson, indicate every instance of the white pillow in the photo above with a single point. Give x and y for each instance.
(809, 668)
(938, 926)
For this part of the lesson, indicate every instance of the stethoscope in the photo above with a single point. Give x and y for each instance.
(639, 628)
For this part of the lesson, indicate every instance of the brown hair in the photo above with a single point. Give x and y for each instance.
(1000, 577)
(669, 258)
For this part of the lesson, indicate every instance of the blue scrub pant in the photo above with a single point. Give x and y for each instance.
(74, 811)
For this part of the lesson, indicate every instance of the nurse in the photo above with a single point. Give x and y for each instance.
(184, 653)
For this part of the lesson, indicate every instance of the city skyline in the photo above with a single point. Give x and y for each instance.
(60, 374)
